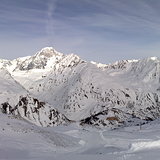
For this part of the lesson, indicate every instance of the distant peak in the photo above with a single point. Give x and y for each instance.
(153, 58)
(48, 52)
(99, 65)
(150, 59)
(48, 49)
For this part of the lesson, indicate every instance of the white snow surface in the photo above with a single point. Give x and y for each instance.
(22, 140)
(99, 111)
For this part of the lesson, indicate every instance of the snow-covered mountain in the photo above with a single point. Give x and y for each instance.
(16, 100)
(123, 93)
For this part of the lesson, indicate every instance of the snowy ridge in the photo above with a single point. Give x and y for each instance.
(4, 63)
(17, 101)
(119, 94)
(35, 111)
(40, 60)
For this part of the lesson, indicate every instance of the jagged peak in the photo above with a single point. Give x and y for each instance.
(121, 64)
(135, 60)
(48, 52)
(146, 63)
(72, 55)
(148, 59)
(4, 63)
(3, 60)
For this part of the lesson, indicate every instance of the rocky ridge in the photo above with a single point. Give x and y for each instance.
(120, 94)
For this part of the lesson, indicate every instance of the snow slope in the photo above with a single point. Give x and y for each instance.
(22, 140)
(16, 100)
(99, 111)
(123, 93)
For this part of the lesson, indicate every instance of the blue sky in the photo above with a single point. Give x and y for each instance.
(98, 30)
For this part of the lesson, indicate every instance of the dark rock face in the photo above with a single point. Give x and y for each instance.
(39, 60)
(132, 113)
(6, 108)
(36, 112)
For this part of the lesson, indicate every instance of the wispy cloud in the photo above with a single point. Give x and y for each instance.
(21, 20)
(50, 24)
(124, 16)
(109, 29)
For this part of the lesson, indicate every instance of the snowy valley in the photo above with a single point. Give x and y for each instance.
(53, 106)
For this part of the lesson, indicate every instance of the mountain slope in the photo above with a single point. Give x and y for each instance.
(123, 93)
(16, 100)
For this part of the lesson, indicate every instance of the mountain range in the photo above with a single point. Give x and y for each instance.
(51, 89)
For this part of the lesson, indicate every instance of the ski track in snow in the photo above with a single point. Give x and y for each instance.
(22, 140)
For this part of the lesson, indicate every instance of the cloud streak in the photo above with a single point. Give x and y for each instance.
(122, 17)
(101, 29)
(50, 24)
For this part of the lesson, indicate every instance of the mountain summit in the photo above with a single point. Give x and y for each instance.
(48, 52)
